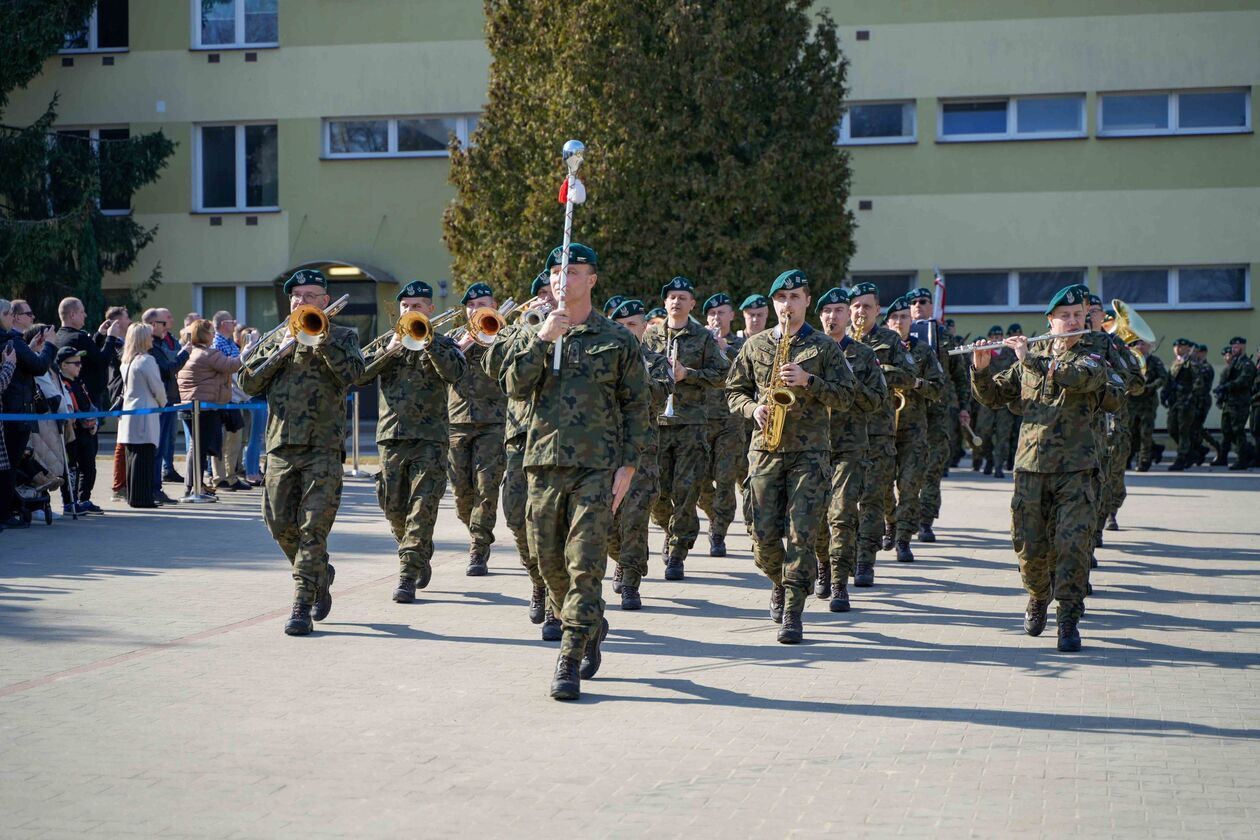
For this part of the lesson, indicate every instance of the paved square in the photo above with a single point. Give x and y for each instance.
(146, 688)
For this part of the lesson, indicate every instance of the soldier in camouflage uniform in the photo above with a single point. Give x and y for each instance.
(1208, 373)
(879, 473)
(1185, 391)
(683, 454)
(306, 434)
(789, 484)
(628, 542)
(837, 541)
(478, 411)
(1142, 406)
(902, 517)
(1234, 397)
(755, 310)
(1059, 386)
(1113, 426)
(995, 424)
(411, 432)
(587, 432)
(725, 435)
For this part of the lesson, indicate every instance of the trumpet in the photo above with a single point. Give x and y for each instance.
(993, 345)
(415, 331)
(307, 325)
(485, 323)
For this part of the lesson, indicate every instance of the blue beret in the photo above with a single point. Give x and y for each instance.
(678, 284)
(860, 289)
(658, 312)
(754, 302)
(720, 299)
(921, 292)
(541, 280)
(627, 309)
(831, 297)
(793, 278)
(901, 304)
(305, 277)
(1238, 339)
(579, 254)
(1069, 296)
(477, 290)
(416, 288)
(611, 304)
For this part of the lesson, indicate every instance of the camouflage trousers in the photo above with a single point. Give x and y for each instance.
(727, 450)
(837, 540)
(901, 496)
(1234, 428)
(409, 488)
(515, 494)
(1183, 429)
(788, 493)
(569, 512)
(628, 541)
(1142, 430)
(879, 475)
(475, 465)
(682, 457)
(1052, 529)
(1114, 461)
(996, 426)
(939, 449)
(301, 494)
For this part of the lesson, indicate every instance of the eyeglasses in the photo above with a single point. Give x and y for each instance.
(68, 363)
(17, 314)
(306, 297)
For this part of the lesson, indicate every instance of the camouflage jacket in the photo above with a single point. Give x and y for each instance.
(1059, 394)
(1120, 361)
(594, 412)
(929, 387)
(957, 377)
(870, 393)
(1208, 373)
(306, 394)
(413, 389)
(476, 399)
(706, 368)
(899, 372)
(1185, 383)
(660, 378)
(1236, 381)
(1156, 378)
(492, 363)
(715, 398)
(808, 424)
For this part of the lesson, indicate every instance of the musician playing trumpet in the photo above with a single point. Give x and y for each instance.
(306, 432)
(411, 433)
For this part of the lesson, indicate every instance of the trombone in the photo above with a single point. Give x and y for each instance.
(532, 312)
(414, 330)
(307, 325)
(485, 323)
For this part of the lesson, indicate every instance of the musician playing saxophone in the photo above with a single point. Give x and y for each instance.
(306, 433)
(789, 481)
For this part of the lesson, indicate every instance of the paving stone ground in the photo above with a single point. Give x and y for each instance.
(146, 688)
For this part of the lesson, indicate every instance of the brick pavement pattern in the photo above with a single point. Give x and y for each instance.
(146, 688)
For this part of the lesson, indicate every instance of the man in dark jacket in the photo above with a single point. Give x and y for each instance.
(100, 352)
(170, 358)
(19, 398)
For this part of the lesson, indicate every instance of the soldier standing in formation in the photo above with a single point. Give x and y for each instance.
(1234, 398)
(412, 435)
(725, 436)
(1144, 405)
(994, 425)
(306, 434)
(1113, 426)
(756, 311)
(1185, 389)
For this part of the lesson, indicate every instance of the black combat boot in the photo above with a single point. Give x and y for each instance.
(791, 632)
(618, 574)
(1035, 616)
(1093, 562)
(839, 598)
(1112, 524)
(673, 567)
(988, 467)
(1144, 466)
(1157, 452)
(997, 473)
(717, 545)
(299, 623)
(630, 599)
(776, 603)
(1069, 636)
(1178, 465)
(823, 585)
(865, 575)
(566, 684)
(477, 562)
(405, 591)
(552, 629)
(1098, 538)
(926, 534)
(975, 464)
(537, 603)
(1221, 459)
(323, 598)
(426, 574)
(592, 657)
(904, 554)
(889, 538)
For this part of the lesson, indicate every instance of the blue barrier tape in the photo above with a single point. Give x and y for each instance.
(85, 415)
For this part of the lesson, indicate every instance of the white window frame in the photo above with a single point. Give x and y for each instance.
(238, 309)
(845, 140)
(94, 137)
(237, 44)
(1173, 274)
(1012, 288)
(461, 133)
(1174, 113)
(1012, 132)
(92, 37)
(241, 185)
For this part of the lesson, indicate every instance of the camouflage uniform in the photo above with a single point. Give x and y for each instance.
(1056, 486)
(586, 421)
(411, 432)
(1235, 394)
(515, 488)
(942, 423)
(306, 437)
(789, 485)
(478, 411)
(728, 448)
(1142, 408)
(683, 454)
(901, 511)
(1186, 387)
(995, 425)
(1112, 427)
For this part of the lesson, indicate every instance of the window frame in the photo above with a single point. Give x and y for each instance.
(1012, 133)
(1012, 288)
(461, 133)
(195, 6)
(842, 132)
(93, 36)
(1173, 279)
(94, 137)
(241, 185)
(1174, 113)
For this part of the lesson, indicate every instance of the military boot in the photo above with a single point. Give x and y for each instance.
(405, 591)
(630, 599)
(823, 585)
(1112, 524)
(791, 632)
(323, 598)
(889, 538)
(552, 629)
(717, 545)
(904, 554)
(299, 623)
(1144, 466)
(1221, 459)
(926, 534)
(988, 467)
(776, 603)
(477, 561)
(839, 598)
(592, 657)
(566, 684)
(1179, 465)
(1098, 538)
(1035, 616)
(1242, 463)
(673, 567)
(537, 603)
(997, 472)
(975, 464)
(865, 575)
(426, 574)
(1157, 452)
(1069, 636)
(618, 574)
(1093, 561)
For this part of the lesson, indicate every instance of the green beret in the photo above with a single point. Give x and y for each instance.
(611, 304)
(901, 304)
(1202, 347)
(627, 309)
(720, 299)
(996, 329)
(678, 284)
(831, 297)
(416, 288)
(579, 254)
(541, 280)
(477, 290)
(1094, 300)
(860, 289)
(1238, 339)
(1068, 296)
(1225, 351)
(658, 312)
(754, 302)
(793, 278)
(1014, 328)
(305, 277)
(1182, 342)
(921, 292)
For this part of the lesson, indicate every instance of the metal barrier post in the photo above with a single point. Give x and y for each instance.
(354, 471)
(193, 467)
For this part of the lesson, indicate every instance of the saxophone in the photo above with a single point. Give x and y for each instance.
(778, 396)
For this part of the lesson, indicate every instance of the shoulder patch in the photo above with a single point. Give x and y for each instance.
(1090, 361)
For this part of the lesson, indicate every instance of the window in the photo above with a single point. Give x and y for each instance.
(892, 285)
(253, 306)
(113, 201)
(1189, 287)
(993, 291)
(223, 24)
(869, 123)
(1175, 112)
(237, 168)
(395, 136)
(105, 30)
(1013, 118)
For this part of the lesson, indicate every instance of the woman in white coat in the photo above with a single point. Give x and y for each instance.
(139, 433)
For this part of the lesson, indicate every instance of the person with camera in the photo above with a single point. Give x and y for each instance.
(30, 360)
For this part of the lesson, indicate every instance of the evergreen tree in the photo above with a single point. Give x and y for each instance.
(710, 132)
(54, 240)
